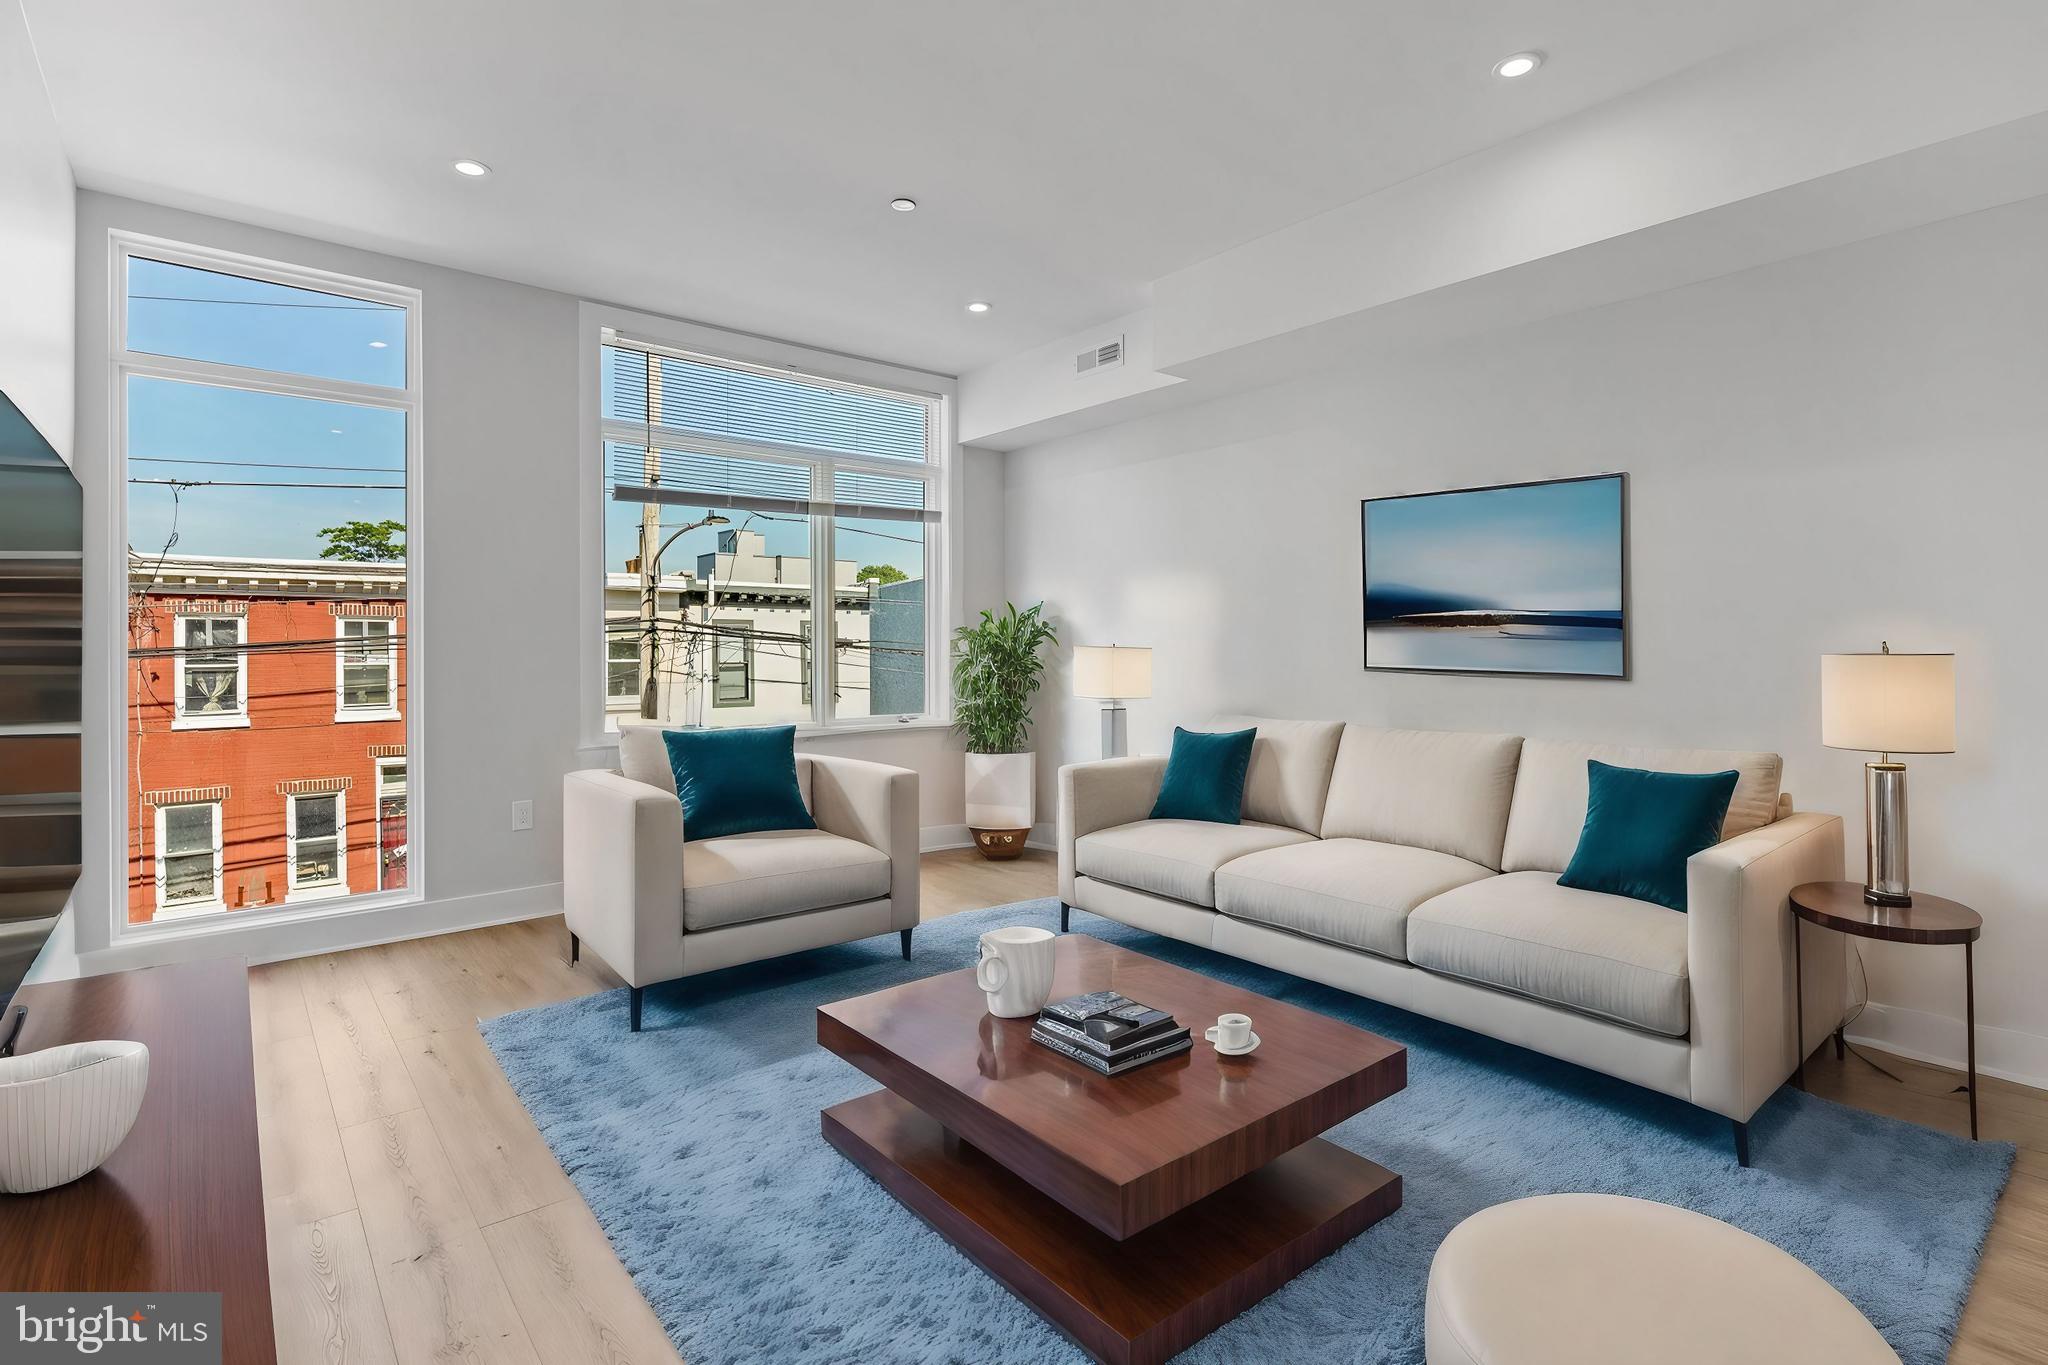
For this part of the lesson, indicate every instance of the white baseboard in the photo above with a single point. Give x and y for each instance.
(1937, 1039)
(934, 838)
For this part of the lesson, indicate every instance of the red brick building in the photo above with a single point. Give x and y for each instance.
(266, 733)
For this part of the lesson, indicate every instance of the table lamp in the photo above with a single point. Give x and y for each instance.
(1887, 704)
(1112, 673)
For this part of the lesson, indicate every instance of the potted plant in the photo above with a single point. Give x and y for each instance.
(997, 665)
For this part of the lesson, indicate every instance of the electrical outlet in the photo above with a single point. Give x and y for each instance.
(522, 815)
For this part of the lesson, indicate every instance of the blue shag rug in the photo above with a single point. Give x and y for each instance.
(696, 1144)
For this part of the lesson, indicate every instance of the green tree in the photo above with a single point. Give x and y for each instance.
(365, 540)
(887, 573)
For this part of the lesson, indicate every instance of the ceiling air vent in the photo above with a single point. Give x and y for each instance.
(1107, 356)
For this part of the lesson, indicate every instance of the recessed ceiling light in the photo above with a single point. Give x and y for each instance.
(977, 307)
(334, 431)
(379, 345)
(468, 167)
(1521, 64)
(903, 205)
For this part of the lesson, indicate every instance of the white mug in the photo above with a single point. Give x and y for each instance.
(1015, 970)
(1230, 1031)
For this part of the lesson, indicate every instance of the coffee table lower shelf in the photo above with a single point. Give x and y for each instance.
(1138, 1301)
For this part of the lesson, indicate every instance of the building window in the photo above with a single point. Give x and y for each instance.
(391, 846)
(733, 651)
(316, 849)
(622, 660)
(267, 422)
(212, 672)
(787, 523)
(366, 681)
(188, 857)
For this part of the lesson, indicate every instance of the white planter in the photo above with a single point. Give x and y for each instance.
(999, 790)
(65, 1109)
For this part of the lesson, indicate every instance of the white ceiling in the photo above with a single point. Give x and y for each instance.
(733, 162)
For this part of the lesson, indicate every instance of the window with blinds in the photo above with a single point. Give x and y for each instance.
(767, 542)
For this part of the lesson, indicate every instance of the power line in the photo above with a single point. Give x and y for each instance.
(267, 464)
(238, 483)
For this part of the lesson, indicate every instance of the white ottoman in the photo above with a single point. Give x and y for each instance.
(1598, 1279)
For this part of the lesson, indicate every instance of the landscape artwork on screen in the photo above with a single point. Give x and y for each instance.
(1521, 578)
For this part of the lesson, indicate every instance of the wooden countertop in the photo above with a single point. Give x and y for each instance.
(179, 1206)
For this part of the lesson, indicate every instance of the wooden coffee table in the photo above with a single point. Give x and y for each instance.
(1139, 1212)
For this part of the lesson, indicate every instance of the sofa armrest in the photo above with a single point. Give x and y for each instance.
(1739, 953)
(875, 804)
(622, 872)
(1102, 795)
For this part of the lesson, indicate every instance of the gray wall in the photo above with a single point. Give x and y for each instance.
(1824, 452)
(36, 261)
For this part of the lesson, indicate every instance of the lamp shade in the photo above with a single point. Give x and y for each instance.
(1112, 671)
(1888, 703)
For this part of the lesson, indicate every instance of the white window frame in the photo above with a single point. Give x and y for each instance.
(345, 714)
(600, 325)
(182, 909)
(114, 931)
(237, 719)
(628, 700)
(315, 891)
(384, 765)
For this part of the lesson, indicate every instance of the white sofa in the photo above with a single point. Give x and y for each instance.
(656, 907)
(1420, 868)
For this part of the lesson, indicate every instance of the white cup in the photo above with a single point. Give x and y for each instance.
(1015, 970)
(1230, 1031)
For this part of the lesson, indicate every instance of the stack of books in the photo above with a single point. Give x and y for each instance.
(1108, 1032)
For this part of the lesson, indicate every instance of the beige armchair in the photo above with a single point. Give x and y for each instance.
(656, 907)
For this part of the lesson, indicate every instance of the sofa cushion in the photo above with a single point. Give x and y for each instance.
(739, 878)
(1351, 892)
(1289, 777)
(1434, 789)
(643, 757)
(1641, 827)
(737, 781)
(1205, 776)
(1602, 955)
(1175, 858)
(1549, 806)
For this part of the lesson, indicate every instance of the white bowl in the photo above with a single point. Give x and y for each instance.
(65, 1109)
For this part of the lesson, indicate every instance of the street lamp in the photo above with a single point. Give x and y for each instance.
(650, 581)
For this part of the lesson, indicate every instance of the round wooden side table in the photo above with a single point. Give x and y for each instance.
(1928, 919)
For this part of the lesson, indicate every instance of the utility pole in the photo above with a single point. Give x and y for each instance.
(650, 568)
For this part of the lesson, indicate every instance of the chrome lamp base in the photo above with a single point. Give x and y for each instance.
(1885, 880)
(1114, 741)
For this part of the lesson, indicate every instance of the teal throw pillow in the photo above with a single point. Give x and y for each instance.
(1640, 828)
(737, 781)
(1205, 776)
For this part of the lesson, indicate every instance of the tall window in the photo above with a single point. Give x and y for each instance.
(269, 421)
(210, 670)
(766, 542)
(315, 842)
(188, 859)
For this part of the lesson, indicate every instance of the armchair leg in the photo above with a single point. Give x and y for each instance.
(1065, 910)
(1742, 1145)
(904, 934)
(633, 1007)
(575, 948)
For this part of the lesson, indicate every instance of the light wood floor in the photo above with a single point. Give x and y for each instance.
(417, 1217)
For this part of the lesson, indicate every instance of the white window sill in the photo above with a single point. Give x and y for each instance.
(299, 894)
(188, 910)
(350, 717)
(222, 722)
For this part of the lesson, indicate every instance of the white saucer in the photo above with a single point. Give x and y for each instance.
(1252, 1046)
